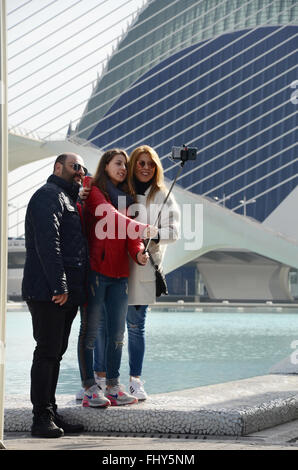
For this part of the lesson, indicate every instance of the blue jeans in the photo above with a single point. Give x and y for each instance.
(107, 302)
(99, 357)
(136, 338)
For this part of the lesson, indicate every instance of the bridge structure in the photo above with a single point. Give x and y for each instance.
(238, 257)
(221, 77)
(218, 74)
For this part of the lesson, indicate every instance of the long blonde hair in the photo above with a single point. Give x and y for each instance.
(158, 178)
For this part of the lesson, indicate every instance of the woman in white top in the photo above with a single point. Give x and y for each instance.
(146, 183)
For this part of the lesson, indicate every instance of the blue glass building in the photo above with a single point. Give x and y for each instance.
(218, 75)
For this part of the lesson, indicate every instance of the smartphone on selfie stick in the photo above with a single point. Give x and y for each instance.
(183, 154)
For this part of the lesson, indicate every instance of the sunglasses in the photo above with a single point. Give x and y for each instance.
(78, 167)
(142, 164)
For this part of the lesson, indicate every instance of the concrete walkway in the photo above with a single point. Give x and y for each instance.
(251, 413)
(282, 437)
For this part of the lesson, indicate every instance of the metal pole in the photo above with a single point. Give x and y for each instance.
(243, 202)
(3, 206)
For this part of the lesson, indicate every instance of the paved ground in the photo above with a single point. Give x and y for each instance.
(282, 437)
(255, 396)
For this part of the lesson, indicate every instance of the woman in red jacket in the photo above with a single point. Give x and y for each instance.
(111, 236)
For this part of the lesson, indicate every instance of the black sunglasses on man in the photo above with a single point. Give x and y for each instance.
(78, 167)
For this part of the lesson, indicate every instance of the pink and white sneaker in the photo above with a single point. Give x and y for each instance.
(117, 396)
(94, 397)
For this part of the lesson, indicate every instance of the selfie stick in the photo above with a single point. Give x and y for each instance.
(165, 200)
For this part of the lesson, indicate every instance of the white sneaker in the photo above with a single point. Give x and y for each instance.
(80, 394)
(117, 396)
(94, 397)
(101, 382)
(136, 389)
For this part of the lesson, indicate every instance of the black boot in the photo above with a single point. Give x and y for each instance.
(67, 427)
(44, 426)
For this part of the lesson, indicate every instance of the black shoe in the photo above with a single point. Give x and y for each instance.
(67, 427)
(44, 426)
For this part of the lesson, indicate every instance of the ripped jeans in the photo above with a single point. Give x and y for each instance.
(136, 317)
(107, 302)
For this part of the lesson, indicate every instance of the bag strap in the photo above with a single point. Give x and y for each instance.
(152, 261)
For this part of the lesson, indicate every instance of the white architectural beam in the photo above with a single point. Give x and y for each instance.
(215, 228)
(23, 150)
(3, 206)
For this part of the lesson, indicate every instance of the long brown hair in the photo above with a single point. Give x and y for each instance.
(158, 178)
(100, 177)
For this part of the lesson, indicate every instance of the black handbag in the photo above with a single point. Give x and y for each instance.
(160, 279)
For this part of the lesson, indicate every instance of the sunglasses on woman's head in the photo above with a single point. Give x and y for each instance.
(142, 164)
(78, 167)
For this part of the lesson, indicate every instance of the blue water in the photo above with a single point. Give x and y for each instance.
(183, 349)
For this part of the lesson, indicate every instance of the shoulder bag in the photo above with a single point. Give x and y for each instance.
(160, 280)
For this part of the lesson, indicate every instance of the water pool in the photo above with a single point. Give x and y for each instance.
(184, 349)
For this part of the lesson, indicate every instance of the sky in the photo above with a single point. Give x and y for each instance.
(57, 48)
(56, 51)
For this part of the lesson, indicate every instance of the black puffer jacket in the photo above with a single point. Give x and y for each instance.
(56, 255)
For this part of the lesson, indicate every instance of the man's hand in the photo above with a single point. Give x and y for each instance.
(60, 299)
(142, 258)
(84, 193)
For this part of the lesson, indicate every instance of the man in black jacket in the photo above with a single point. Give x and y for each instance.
(53, 284)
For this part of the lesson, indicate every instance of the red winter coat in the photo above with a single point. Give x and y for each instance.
(109, 255)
